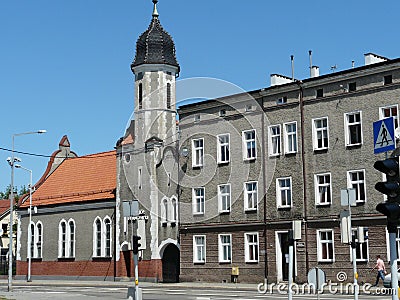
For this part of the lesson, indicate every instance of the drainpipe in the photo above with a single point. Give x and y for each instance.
(301, 96)
(265, 188)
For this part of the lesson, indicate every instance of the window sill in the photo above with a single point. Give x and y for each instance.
(224, 212)
(350, 146)
(250, 159)
(225, 262)
(223, 162)
(319, 150)
(197, 166)
(323, 204)
(199, 262)
(252, 262)
(60, 259)
(291, 153)
(250, 210)
(286, 207)
(35, 259)
(274, 155)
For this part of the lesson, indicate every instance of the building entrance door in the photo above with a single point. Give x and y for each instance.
(170, 264)
(282, 255)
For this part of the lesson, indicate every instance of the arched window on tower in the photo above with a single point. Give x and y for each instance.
(140, 96)
(168, 95)
(174, 210)
(164, 211)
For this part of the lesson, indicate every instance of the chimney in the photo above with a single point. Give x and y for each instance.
(277, 79)
(314, 71)
(371, 58)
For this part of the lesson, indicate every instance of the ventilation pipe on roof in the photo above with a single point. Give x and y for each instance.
(310, 57)
(292, 60)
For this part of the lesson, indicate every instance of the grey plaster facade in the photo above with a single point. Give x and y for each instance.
(363, 92)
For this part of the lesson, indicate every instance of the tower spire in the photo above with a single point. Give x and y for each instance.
(155, 12)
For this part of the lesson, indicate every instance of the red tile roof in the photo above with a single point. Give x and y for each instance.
(4, 205)
(86, 178)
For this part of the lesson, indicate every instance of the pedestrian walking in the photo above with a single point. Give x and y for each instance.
(380, 266)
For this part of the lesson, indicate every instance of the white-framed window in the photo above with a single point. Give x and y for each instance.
(102, 233)
(139, 178)
(250, 195)
(290, 137)
(284, 192)
(320, 133)
(197, 152)
(66, 239)
(323, 190)
(251, 247)
(35, 240)
(362, 249)
(224, 198)
(223, 154)
(198, 198)
(390, 111)
(356, 180)
(199, 249)
(225, 248)
(274, 140)
(174, 210)
(164, 211)
(353, 128)
(249, 144)
(325, 245)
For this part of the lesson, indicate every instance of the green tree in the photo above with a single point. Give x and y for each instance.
(18, 192)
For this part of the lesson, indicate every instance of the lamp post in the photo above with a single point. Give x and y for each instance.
(30, 221)
(11, 160)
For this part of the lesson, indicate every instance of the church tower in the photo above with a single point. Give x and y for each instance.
(148, 167)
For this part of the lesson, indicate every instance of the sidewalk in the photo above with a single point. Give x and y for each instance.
(126, 284)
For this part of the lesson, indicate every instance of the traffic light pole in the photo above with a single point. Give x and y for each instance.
(290, 281)
(353, 253)
(393, 265)
(137, 294)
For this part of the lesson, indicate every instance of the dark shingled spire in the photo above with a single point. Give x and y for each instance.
(155, 45)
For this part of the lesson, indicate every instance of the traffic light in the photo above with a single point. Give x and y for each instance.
(135, 244)
(392, 211)
(391, 188)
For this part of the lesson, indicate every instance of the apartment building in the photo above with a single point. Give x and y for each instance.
(257, 161)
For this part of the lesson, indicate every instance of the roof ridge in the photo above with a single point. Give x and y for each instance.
(75, 194)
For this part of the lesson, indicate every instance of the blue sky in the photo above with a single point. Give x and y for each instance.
(65, 65)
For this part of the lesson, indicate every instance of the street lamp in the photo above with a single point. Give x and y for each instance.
(30, 220)
(11, 160)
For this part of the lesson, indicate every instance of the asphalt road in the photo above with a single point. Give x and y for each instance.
(33, 292)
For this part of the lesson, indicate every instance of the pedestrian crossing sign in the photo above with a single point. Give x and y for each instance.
(384, 139)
